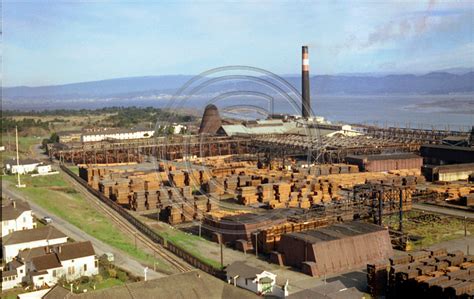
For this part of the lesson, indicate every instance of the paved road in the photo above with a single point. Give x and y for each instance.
(122, 259)
(441, 210)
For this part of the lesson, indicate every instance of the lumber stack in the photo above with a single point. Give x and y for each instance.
(266, 192)
(247, 195)
(177, 178)
(425, 274)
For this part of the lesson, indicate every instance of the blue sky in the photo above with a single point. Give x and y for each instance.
(56, 42)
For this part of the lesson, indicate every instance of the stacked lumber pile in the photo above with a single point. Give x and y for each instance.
(138, 201)
(247, 195)
(163, 196)
(177, 178)
(426, 274)
(121, 192)
(266, 193)
(451, 191)
(377, 278)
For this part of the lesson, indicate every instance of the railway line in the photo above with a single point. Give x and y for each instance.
(157, 249)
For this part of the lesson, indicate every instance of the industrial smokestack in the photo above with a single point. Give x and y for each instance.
(306, 99)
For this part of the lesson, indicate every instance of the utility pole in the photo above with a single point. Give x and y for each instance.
(222, 253)
(256, 243)
(18, 160)
(465, 226)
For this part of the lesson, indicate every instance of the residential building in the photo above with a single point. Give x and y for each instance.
(118, 134)
(254, 279)
(13, 274)
(44, 168)
(22, 166)
(70, 261)
(16, 215)
(19, 240)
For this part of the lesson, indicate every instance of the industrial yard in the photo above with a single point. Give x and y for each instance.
(237, 149)
(271, 197)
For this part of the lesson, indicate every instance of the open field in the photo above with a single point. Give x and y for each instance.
(58, 197)
(429, 229)
(25, 144)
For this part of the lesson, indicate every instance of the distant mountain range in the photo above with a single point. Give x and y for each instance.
(458, 80)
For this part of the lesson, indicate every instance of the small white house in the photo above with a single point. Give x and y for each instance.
(22, 166)
(178, 128)
(44, 168)
(69, 261)
(13, 275)
(16, 215)
(254, 279)
(13, 243)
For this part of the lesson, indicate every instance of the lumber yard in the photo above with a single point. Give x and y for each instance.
(291, 189)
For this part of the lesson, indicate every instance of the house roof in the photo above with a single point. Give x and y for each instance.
(243, 270)
(45, 262)
(192, 284)
(37, 273)
(335, 232)
(28, 254)
(14, 264)
(14, 209)
(29, 235)
(9, 273)
(332, 290)
(27, 161)
(75, 250)
(57, 292)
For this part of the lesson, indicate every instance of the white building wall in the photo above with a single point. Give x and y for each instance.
(252, 285)
(22, 169)
(24, 221)
(120, 136)
(11, 251)
(78, 265)
(9, 283)
(42, 169)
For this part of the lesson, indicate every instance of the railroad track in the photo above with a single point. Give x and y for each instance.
(175, 261)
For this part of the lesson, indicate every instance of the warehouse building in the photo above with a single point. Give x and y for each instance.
(335, 249)
(448, 173)
(386, 162)
(434, 154)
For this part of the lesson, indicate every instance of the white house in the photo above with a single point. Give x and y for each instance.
(44, 168)
(71, 261)
(120, 134)
(16, 215)
(13, 274)
(254, 279)
(30, 238)
(24, 166)
(178, 128)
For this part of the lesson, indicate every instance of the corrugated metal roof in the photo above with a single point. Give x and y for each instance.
(278, 128)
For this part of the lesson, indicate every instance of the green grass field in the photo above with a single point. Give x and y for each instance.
(24, 144)
(56, 195)
(191, 243)
(431, 228)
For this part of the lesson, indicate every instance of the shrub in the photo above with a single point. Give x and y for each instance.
(122, 276)
(84, 279)
(112, 273)
(98, 278)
